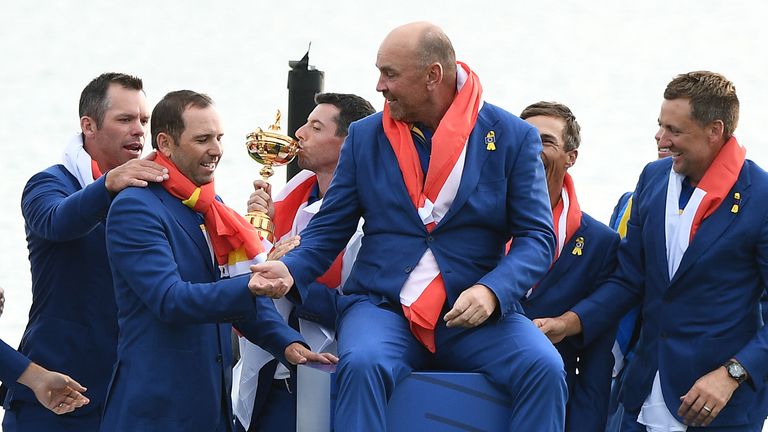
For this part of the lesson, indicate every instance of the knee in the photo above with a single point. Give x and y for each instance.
(545, 366)
(362, 360)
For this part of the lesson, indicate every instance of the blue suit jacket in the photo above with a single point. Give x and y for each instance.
(173, 369)
(572, 278)
(12, 364)
(708, 312)
(502, 194)
(72, 325)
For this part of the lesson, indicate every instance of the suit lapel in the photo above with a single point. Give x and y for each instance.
(475, 158)
(566, 260)
(655, 222)
(392, 171)
(189, 221)
(714, 226)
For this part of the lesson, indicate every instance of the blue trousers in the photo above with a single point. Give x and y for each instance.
(377, 351)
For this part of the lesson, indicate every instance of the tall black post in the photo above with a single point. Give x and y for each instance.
(304, 82)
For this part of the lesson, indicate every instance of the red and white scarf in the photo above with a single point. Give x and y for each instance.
(566, 215)
(423, 294)
(290, 220)
(681, 226)
(232, 238)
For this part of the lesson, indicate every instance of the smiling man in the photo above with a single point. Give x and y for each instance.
(695, 257)
(73, 320)
(585, 256)
(170, 246)
(443, 180)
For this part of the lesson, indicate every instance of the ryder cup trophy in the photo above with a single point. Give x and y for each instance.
(269, 148)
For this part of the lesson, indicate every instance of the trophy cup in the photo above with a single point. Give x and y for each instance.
(269, 148)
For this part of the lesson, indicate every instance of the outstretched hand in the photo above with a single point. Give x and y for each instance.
(297, 353)
(271, 279)
(57, 392)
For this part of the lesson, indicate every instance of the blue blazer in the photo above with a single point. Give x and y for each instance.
(708, 312)
(174, 358)
(502, 194)
(72, 325)
(572, 278)
(12, 364)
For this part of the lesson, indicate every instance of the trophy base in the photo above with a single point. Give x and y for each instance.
(262, 223)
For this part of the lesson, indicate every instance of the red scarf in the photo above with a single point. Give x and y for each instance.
(227, 229)
(572, 217)
(718, 180)
(448, 142)
(285, 214)
(95, 169)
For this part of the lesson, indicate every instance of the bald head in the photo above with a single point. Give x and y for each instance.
(423, 43)
(417, 68)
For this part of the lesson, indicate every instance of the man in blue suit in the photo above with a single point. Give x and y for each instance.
(585, 256)
(443, 181)
(696, 258)
(175, 305)
(72, 324)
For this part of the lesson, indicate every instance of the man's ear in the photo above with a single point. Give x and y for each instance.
(434, 75)
(716, 131)
(164, 142)
(88, 126)
(572, 156)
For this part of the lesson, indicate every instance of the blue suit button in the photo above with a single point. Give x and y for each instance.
(408, 269)
(219, 358)
(430, 239)
(663, 336)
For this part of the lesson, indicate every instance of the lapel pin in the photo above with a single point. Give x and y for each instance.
(490, 141)
(736, 202)
(578, 248)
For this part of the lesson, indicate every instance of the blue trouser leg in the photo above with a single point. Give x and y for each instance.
(376, 351)
(279, 410)
(34, 417)
(515, 355)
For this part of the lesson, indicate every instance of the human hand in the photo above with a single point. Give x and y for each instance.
(707, 397)
(557, 329)
(282, 247)
(271, 279)
(135, 172)
(474, 305)
(297, 353)
(57, 392)
(261, 198)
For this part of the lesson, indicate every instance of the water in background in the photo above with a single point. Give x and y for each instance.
(609, 61)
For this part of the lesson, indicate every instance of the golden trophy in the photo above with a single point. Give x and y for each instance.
(269, 148)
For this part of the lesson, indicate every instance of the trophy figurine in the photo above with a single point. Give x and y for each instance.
(269, 148)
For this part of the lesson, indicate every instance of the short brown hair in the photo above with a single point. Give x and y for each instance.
(572, 130)
(167, 115)
(94, 102)
(711, 95)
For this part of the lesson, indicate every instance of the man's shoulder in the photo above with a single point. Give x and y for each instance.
(495, 117)
(373, 121)
(140, 195)
(597, 228)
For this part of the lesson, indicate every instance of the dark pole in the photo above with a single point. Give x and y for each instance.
(304, 82)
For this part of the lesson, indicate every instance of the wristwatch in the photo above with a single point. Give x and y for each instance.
(736, 370)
